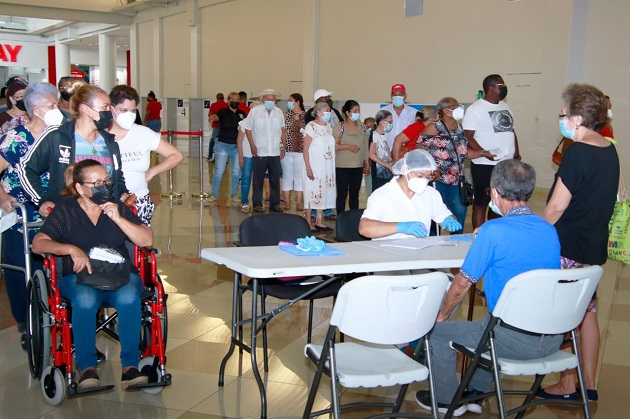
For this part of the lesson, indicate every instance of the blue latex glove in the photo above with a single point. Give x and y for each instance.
(451, 224)
(414, 228)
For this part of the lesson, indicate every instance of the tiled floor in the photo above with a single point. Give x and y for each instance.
(199, 307)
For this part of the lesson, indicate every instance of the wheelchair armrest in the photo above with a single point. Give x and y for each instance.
(153, 250)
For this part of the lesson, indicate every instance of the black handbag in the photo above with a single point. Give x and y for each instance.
(105, 275)
(466, 191)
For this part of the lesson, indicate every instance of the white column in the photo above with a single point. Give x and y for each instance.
(576, 68)
(133, 46)
(62, 59)
(158, 60)
(107, 61)
(310, 58)
(195, 49)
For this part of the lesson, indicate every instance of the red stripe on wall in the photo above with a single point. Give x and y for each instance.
(128, 67)
(52, 65)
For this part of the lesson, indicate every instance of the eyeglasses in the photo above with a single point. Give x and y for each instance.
(98, 183)
(430, 178)
(562, 115)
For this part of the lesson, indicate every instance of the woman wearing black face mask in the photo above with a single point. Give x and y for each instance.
(88, 219)
(225, 147)
(83, 137)
(16, 114)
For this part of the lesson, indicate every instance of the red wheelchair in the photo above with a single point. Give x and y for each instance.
(49, 332)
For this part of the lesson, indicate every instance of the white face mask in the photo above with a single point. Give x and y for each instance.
(458, 113)
(417, 185)
(52, 117)
(126, 119)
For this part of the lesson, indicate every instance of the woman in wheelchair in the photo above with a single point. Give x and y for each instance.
(89, 218)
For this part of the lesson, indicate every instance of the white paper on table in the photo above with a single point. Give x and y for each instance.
(416, 243)
(7, 220)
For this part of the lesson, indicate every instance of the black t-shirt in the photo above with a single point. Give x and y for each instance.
(228, 124)
(591, 174)
(68, 223)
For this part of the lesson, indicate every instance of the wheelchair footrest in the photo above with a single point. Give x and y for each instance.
(77, 392)
(149, 385)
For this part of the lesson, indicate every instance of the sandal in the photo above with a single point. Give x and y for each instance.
(246, 208)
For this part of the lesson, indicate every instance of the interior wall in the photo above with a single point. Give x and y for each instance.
(176, 56)
(364, 46)
(145, 51)
(251, 45)
(608, 65)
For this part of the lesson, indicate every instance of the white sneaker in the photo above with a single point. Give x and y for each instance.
(212, 198)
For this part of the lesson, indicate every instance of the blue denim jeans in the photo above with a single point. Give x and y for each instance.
(509, 344)
(213, 140)
(246, 179)
(222, 152)
(86, 301)
(154, 124)
(450, 196)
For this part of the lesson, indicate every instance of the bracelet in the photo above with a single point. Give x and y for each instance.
(483, 152)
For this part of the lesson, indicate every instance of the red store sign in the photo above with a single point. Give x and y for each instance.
(9, 53)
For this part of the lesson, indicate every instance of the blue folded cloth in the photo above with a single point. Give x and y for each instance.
(310, 246)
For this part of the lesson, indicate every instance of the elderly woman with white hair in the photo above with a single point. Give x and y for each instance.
(40, 100)
(405, 206)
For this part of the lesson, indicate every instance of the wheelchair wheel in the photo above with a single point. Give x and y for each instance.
(38, 324)
(53, 386)
(156, 378)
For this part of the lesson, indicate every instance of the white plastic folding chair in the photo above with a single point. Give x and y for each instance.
(543, 301)
(378, 311)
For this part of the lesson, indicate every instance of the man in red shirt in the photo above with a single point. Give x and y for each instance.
(243, 105)
(215, 108)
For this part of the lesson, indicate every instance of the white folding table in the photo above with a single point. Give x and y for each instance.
(260, 262)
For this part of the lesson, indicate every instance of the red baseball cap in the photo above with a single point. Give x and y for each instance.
(399, 88)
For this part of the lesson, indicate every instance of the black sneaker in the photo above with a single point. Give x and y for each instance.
(89, 379)
(423, 398)
(277, 208)
(133, 377)
(21, 327)
(259, 208)
(476, 406)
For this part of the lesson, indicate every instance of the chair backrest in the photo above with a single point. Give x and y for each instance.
(270, 229)
(347, 226)
(389, 309)
(548, 301)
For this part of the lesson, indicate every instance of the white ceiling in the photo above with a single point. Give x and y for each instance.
(76, 23)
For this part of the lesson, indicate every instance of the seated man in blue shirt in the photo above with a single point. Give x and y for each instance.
(504, 247)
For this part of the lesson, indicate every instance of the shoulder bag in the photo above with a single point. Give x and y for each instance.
(466, 191)
(562, 146)
(618, 228)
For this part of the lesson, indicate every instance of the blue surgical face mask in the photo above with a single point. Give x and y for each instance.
(269, 104)
(389, 127)
(355, 116)
(290, 105)
(494, 208)
(326, 116)
(398, 100)
(564, 130)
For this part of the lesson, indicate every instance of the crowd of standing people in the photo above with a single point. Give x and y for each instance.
(320, 156)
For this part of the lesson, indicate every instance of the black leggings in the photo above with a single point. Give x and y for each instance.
(348, 183)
